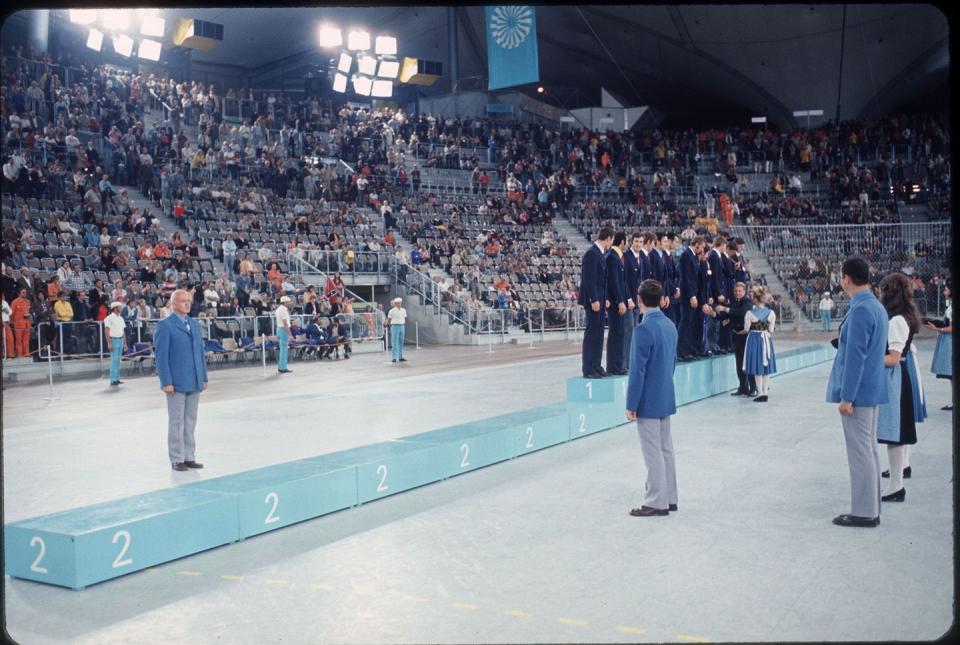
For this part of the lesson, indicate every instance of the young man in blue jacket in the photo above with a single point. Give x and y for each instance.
(857, 382)
(183, 376)
(593, 298)
(651, 401)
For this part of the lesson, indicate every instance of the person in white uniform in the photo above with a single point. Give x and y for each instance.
(397, 321)
(114, 327)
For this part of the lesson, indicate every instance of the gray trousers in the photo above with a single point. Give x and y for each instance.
(629, 323)
(657, 448)
(863, 458)
(182, 422)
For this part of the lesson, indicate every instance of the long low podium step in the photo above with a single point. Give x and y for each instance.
(80, 547)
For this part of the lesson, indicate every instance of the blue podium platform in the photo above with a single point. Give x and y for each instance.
(275, 496)
(86, 545)
(83, 546)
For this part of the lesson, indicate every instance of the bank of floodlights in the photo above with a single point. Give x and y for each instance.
(368, 65)
(116, 23)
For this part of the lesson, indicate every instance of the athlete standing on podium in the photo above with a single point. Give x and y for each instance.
(593, 297)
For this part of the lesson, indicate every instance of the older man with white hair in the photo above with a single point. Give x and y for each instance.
(114, 327)
(397, 321)
(283, 334)
(183, 376)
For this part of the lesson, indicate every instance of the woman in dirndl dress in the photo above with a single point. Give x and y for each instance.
(759, 359)
(897, 419)
(943, 353)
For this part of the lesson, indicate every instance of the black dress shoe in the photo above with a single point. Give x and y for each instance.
(192, 464)
(906, 473)
(672, 507)
(898, 496)
(947, 408)
(179, 466)
(855, 520)
(285, 371)
(646, 511)
(620, 372)
(761, 399)
(402, 360)
(594, 375)
(738, 393)
(752, 393)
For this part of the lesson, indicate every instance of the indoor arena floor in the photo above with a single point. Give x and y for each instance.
(537, 549)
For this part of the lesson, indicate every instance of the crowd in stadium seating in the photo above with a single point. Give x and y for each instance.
(276, 173)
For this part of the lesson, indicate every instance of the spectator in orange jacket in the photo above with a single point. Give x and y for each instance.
(20, 317)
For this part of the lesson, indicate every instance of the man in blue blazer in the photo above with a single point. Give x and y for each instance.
(631, 268)
(617, 309)
(593, 297)
(857, 382)
(651, 401)
(671, 281)
(726, 331)
(717, 295)
(689, 276)
(182, 369)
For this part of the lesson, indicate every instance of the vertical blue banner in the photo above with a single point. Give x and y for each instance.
(512, 55)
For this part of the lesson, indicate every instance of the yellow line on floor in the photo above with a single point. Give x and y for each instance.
(692, 639)
(415, 599)
(464, 605)
(573, 621)
(516, 612)
(630, 630)
(189, 573)
(229, 577)
(278, 582)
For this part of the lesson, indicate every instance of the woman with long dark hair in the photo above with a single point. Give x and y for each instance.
(896, 420)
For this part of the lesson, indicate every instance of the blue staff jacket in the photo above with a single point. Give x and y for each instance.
(653, 355)
(858, 373)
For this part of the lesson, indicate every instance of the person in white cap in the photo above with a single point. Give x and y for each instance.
(826, 311)
(283, 333)
(113, 327)
(397, 321)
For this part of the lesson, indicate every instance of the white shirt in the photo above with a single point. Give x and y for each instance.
(397, 316)
(283, 316)
(826, 304)
(116, 324)
(7, 312)
(898, 333)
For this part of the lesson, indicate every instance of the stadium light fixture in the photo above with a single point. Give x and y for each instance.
(123, 45)
(382, 89)
(339, 83)
(358, 41)
(386, 46)
(95, 39)
(83, 16)
(758, 119)
(152, 26)
(345, 62)
(115, 19)
(149, 49)
(367, 65)
(389, 69)
(330, 36)
(362, 85)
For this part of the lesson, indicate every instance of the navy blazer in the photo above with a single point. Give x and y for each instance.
(670, 276)
(858, 375)
(646, 271)
(653, 356)
(657, 268)
(593, 277)
(631, 267)
(616, 280)
(728, 280)
(703, 283)
(689, 274)
(741, 275)
(715, 274)
(179, 354)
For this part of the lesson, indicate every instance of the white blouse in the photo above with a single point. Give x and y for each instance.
(898, 333)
